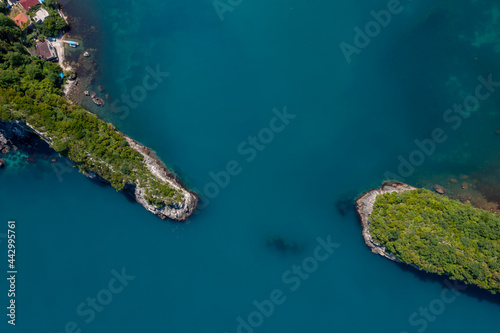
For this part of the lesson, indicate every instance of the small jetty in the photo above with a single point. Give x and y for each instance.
(71, 43)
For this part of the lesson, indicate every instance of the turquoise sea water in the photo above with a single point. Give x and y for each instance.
(350, 124)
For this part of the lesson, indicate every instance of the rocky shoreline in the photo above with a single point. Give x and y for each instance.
(364, 207)
(178, 211)
(17, 131)
(27, 136)
(16, 136)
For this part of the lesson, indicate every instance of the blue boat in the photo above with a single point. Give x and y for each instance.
(71, 43)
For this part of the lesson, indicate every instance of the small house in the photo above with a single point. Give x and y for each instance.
(40, 15)
(27, 4)
(22, 21)
(46, 51)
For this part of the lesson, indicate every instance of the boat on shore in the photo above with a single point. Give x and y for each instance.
(71, 43)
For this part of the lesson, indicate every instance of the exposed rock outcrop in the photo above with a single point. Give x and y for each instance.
(439, 189)
(14, 134)
(178, 211)
(4, 144)
(97, 100)
(364, 206)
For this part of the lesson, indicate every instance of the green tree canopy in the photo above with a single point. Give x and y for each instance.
(440, 235)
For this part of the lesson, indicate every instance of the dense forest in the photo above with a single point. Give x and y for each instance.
(440, 235)
(30, 92)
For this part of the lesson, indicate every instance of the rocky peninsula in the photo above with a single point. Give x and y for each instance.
(432, 232)
(178, 211)
(17, 135)
(34, 104)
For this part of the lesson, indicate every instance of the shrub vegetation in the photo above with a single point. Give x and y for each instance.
(440, 235)
(30, 92)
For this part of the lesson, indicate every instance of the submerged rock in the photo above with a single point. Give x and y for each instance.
(2, 163)
(439, 189)
(4, 147)
(344, 205)
(283, 246)
(3, 140)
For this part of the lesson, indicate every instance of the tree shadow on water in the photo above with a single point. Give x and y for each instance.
(445, 282)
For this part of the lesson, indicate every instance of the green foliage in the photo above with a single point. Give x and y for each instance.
(34, 8)
(30, 91)
(9, 32)
(8, 77)
(155, 201)
(50, 4)
(34, 71)
(440, 235)
(60, 146)
(52, 24)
